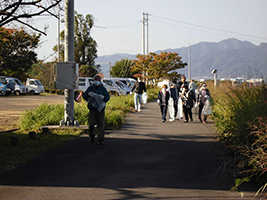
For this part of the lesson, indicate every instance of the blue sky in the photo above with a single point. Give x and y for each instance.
(172, 23)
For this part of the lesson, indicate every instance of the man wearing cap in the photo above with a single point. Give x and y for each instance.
(97, 96)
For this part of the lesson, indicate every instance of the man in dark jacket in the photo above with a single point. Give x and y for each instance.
(97, 96)
(187, 97)
(174, 96)
(181, 84)
(139, 87)
(163, 98)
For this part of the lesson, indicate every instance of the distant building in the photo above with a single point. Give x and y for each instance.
(254, 82)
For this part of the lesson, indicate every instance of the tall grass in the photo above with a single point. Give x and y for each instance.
(116, 110)
(240, 119)
(233, 108)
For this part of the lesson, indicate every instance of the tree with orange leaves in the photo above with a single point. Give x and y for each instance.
(156, 66)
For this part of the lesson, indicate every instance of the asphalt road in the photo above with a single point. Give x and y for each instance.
(145, 159)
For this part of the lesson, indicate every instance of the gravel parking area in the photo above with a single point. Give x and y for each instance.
(12, 106)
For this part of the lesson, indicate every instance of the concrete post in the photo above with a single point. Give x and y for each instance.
(69, 56)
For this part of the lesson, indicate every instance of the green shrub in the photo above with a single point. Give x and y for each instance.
(46, 114)
(43, 115)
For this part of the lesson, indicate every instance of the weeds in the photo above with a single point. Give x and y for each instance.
(116, 110)
(240, 119)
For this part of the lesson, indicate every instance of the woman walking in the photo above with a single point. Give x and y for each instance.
(163, 98)
(202, 97)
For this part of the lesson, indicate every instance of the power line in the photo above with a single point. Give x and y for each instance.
(205, 31)
(118, 26)
(206, 27)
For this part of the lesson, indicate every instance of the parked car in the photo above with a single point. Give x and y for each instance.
(9, 83)
(123, 86)
(34, 86)
(113, 88)
(3, 88)
(85, 82)
(125, 81)
(19, 87)
(132, 80)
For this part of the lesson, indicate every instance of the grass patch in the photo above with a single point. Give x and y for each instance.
(46, 114)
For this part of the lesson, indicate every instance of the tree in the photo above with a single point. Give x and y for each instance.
(43, 72)
(85, 51)
(122, 68)
(22, 11)
(17, 52)
(85, 46)
(157, 66)
(88, 71)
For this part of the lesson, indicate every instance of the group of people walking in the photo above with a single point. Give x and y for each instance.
(178, 100)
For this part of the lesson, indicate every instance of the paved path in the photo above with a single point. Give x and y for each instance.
(145, 159)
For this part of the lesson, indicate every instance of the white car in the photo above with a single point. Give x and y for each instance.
(34, 86)
(111, 83)
(19, 87)
(123, 86)
(85, 82)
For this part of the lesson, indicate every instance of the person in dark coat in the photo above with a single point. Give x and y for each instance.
(138, 88)
(181, 84)
(187, 97)
(97, 96)
(163, 98)
(174, 96)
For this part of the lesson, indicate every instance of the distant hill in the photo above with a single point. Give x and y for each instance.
(232, 58)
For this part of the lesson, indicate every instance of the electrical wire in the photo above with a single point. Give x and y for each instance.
(205, 31)
(206, 27)
(118, 26)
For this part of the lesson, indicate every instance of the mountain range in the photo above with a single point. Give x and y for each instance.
(231, 57)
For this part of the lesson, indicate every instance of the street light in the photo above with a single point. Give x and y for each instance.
(214, 71)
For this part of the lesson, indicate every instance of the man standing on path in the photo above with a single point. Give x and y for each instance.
(192, 86)
(174, 97)
(163, 99)
(97, 96)
(138, 89)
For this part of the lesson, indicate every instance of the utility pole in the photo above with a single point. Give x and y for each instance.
(58, 42)
(189, 63)
(145, 36)
(69, 119)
